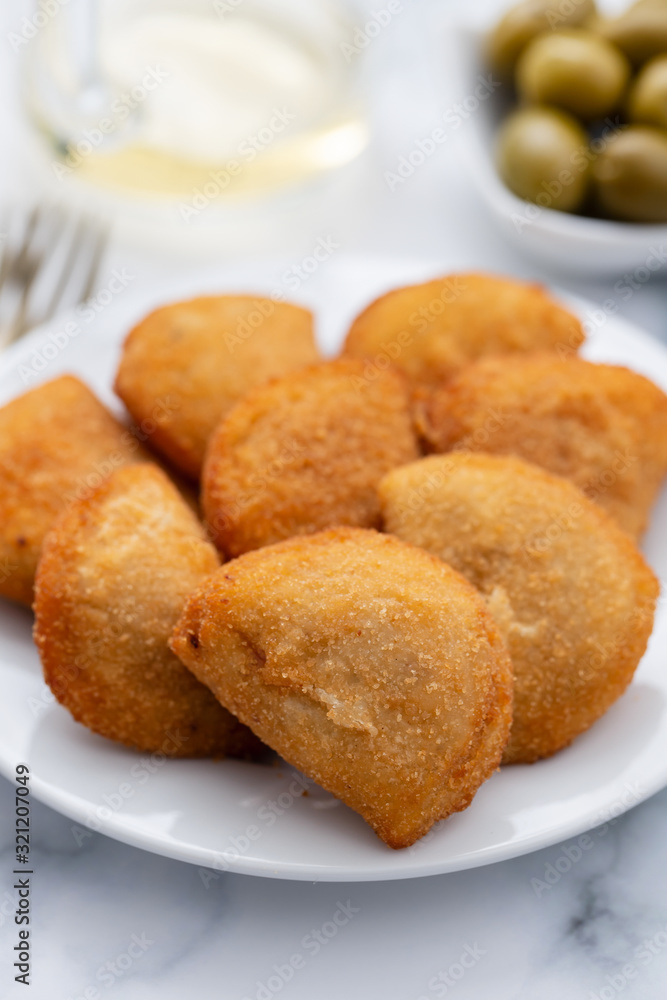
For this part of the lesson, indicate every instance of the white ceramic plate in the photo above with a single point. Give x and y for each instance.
(249, 818)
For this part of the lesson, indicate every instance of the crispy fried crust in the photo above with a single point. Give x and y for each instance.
(602, 427)
(56, 443)
(113, 579)
(185, 365)
(304, 453)
(435, 329)
(568, 589)
(366, 663)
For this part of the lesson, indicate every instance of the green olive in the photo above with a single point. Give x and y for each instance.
(542, 158)
(527, 20)
(630, 175)
(640, 32)
(575, 70)
(647, 100)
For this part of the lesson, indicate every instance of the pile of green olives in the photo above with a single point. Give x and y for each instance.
(589, 134)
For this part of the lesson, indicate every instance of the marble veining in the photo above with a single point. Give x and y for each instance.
(132, 925)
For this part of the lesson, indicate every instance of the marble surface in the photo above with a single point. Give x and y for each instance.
(223, 939)
(587, 919)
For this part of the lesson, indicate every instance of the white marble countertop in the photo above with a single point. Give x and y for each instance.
(111, 921)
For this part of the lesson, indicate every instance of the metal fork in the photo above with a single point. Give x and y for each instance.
(48, 260)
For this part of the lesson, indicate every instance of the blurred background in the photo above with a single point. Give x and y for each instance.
(239, 130)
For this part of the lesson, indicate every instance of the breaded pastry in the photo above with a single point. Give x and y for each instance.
(604, 428)
(304, 453)
(114, 575)
(366, 663)
(56, 443)
(204, 355)
(568, 589)
(433, 330)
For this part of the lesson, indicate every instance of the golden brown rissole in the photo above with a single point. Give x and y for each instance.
(304, 453)
(113, 578)
(433, 330)
(57, 442)
(366, 663)
(567, 587)
(601, 426)
(204, 355)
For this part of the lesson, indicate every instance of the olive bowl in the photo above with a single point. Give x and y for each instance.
(565, 242)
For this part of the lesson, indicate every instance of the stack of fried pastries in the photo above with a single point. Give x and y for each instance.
(413, 563)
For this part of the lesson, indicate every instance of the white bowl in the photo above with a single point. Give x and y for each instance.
(568, 243)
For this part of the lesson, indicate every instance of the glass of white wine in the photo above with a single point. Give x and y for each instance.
(193, 103)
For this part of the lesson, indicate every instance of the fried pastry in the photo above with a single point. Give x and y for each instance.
(366, 663)
(57, 442)
(433, 330)
(112, 581)
(601, 426)
(304, 453)
(568, 589)
(204, 355)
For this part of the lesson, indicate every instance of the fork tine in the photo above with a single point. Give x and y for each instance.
(20, 323)
(11, 262)
(102, 238)
(21, 270)
(6, 255)
(65, 271)
(23, 251)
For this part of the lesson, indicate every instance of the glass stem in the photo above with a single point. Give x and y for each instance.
(86, 26)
